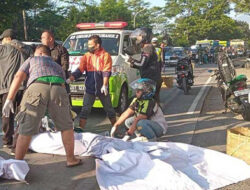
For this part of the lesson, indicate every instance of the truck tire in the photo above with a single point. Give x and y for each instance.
(123, 100)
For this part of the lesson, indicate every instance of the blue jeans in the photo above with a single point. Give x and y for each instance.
(146, 128)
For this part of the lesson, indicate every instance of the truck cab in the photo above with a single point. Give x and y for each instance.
(115, 40)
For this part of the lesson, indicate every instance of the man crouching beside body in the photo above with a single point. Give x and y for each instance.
(45, 91)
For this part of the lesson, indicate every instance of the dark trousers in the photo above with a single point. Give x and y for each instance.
(68, 91)
(8, 122)
(157, 91)
(88, 101)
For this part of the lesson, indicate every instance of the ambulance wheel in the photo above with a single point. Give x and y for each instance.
(123, 101)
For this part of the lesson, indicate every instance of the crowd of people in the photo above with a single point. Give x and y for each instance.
(35, 83)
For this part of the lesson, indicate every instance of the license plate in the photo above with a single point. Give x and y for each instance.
(241, 92)
(77, 88)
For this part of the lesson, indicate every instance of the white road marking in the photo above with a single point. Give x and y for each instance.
(197, 98)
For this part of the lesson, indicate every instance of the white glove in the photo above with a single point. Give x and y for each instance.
(126, 58)
(126, 138)
(104, 90)
(112, 132)
(68, 81)
(8, 106)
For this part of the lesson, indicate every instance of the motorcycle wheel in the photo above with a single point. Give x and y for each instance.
(246, 113)
(184, 85)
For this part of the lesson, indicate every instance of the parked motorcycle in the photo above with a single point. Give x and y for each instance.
(234, 91)
(184, 73)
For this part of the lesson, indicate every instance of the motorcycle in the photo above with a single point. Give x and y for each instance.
(184, 73)
(234, 91)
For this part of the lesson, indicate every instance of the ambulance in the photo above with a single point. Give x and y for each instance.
(115, 40)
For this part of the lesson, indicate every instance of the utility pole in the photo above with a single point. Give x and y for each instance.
(137, 14)
(25, 26)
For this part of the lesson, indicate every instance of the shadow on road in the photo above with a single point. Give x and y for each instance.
(210, 129)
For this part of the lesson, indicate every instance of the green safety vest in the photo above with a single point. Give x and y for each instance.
(158, 52)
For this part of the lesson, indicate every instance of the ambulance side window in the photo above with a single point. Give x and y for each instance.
(126, 43)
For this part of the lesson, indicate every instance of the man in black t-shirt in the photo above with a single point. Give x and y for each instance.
(59, 54)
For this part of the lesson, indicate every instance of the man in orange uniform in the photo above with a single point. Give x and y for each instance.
(97, 64)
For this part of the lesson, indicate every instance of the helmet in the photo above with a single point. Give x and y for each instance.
(142, 35)
(147, 86)
(154, 40)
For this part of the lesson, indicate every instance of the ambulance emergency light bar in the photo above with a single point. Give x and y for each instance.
(102, 25)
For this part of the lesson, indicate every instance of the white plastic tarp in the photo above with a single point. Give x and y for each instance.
(152, 165)
(13, 169)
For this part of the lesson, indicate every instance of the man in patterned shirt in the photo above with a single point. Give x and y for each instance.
(45, 91)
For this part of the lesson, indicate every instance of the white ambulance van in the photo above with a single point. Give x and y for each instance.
(115, 39)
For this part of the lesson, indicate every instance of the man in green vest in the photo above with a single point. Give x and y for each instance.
(154, 42)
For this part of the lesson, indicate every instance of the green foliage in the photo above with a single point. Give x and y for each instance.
(43, 21)
(114, 10)
(242, 6)
(11, 13)
(108, 10)
(76, 16)
(204, 19)
(140, 13)
(194, 19)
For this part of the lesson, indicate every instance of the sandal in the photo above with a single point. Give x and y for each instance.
(73, 165)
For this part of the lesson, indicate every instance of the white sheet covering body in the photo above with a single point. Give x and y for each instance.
(13, 169)
(51, 143)
(152, 165)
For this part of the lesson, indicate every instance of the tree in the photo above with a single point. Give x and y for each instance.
(75, 12)
(11, 13)
(204, 19)
(242, 6)
(114, 10)
(160, 23)
(107, 10)
(47, 19)
(140, 13)
(244, 31)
